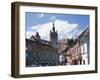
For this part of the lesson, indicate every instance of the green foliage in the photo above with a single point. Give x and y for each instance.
(70, 42)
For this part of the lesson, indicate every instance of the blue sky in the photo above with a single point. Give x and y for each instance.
(67, 25)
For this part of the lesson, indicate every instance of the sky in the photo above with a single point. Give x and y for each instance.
(67, 25)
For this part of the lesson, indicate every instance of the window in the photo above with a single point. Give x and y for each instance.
(80, 61)
(77, 49)
(85, 48)
(81, 49)
(83, 61)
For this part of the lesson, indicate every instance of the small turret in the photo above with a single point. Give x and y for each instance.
(37, 36)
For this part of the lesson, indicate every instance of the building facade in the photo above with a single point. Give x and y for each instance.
(39, 54)
(72, 54)
(84, 47)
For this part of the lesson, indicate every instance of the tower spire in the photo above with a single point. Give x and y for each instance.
(53, 27)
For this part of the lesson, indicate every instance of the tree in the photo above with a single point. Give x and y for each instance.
(70, 42)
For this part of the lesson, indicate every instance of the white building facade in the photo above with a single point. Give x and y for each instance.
(84, 48)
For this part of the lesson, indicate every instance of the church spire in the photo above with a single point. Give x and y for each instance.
(53, 27)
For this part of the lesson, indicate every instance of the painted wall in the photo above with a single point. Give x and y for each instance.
(5, 40)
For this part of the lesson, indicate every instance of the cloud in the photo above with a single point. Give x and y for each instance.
(62, 27)
(40, 15)
(52, 18)
(74, 33)
(29, 34)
